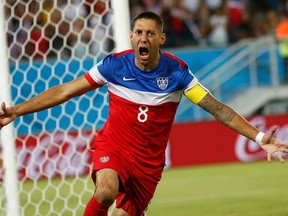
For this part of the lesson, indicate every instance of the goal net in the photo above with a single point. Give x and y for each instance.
(49, 43)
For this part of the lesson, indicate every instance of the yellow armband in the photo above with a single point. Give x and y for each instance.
(196, 93)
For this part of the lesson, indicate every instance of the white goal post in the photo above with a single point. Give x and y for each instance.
(7, 154)
(46, 157)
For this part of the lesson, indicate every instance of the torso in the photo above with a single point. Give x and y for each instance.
(142, 104)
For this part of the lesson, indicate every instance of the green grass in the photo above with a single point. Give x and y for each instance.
(238, 189)
(241, 189)
(56, 197)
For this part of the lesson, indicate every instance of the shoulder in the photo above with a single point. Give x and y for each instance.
(123, 53)
(174, 60)
(117, 60)
(119, 55)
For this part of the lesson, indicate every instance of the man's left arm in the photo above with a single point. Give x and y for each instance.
(230, 118)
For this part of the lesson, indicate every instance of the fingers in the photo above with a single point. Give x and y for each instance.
(277, 154)
(270, 136)
(281, 159)
(273, 130)
(2, 112)
(283, 150)
(269, 155)
(3, 107)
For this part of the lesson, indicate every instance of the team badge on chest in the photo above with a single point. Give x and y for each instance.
(162, 82)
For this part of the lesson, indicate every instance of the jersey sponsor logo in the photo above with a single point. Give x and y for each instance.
(128, 78)
(162, 82)
(104, 159)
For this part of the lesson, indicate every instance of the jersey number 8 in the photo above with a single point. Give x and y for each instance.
(142, 115)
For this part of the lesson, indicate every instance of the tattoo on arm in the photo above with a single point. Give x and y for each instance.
(217, 109)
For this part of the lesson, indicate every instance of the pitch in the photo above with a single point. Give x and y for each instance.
(240, 189)
(237, 189)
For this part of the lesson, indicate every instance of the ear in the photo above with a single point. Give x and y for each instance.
(131, 34)
(162, 39)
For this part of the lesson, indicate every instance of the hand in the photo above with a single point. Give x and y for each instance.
(7, 115)
(273, 146)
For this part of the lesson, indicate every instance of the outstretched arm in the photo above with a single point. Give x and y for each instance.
(47, 99)
(227, 116)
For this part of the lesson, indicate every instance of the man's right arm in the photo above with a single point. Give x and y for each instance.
(47, 99)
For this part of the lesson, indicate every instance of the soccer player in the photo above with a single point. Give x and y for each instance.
(145, 86)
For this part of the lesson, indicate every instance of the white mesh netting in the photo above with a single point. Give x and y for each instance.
(51, 42)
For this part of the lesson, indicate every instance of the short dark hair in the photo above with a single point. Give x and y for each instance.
(149, 15)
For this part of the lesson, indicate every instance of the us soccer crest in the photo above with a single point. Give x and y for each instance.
(162, 82)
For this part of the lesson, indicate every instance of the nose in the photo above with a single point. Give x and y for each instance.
(144, 38)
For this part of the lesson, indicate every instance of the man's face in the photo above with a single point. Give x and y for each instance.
(146, 39)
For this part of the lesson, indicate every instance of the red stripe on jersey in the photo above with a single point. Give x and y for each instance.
(181, 62)
(91, 80)
(123, 52)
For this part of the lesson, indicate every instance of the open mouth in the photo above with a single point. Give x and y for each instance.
(144, 53)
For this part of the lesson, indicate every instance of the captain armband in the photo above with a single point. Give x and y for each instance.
(196, 93)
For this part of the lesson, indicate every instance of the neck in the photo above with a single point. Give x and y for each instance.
(148, 66)
(145, 67)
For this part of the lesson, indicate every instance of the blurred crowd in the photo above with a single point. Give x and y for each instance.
(55, 27)
(216, 23)
(65, 28)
